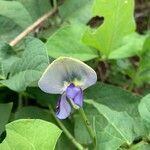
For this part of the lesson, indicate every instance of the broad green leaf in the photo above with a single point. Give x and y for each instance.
(32, 112)
(67, 42)
(7, 58)
(76, 11)
(117, 100)
(114, 97)
(16, 12)
(144, 108)
(30, 134)
(5, 110)
(107, 141)
(117, 122)
(36, 8)
(8, 29)
(27, 70)
(131, 45)
(118, 22)
(64, 142)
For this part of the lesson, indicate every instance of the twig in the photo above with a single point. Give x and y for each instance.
(32, 27)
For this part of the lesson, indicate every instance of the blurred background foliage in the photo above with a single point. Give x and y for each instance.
(122, 66)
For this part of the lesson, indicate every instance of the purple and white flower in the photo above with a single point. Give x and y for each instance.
(68, 77)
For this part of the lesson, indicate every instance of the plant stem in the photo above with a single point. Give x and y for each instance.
(20, 102)
(55, 3)
(88, 126)
(67, 133)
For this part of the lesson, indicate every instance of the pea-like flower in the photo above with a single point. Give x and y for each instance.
(68, 77)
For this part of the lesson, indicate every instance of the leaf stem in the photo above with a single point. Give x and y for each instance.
(67, 133)
(55, 3)
(88, 125)
(20, 101)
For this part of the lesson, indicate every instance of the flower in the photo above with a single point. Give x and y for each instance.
(68, 77)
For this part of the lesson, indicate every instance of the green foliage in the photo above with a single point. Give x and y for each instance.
(32, 113)
(36, 8)
(16, 15)
(104, 33)
(5, 110)
(10, 10)
(30, 134)
(140, 75)
(11, 14)
(76, 11)
(114, 117)
(144, 108)
(115, 126)
(7, 58)
(27, 70)
(131, 45)
(114, 97)
(143, 72)
(67, 42)
(118, 22)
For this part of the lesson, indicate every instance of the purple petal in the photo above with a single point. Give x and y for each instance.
(75, 94)
(72, 91)
(63, 108)
(78, 100)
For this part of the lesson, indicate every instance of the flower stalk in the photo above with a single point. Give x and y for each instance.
(67, 133)
(88, 125)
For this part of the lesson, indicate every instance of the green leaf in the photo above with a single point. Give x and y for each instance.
(118, 22)
(5, 110)
(78, 126)
(64, 142)
(76, 11)
(119, 101)
(117, 122)
(144, 108)
(114, 97)
(36, 8)
(32, 112)
(27, 70)
(7, 58)
(30, 134)
(8, 29)
(67, 42)
(16, 12)
(131, 45)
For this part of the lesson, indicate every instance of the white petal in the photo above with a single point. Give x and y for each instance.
(66, 70)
